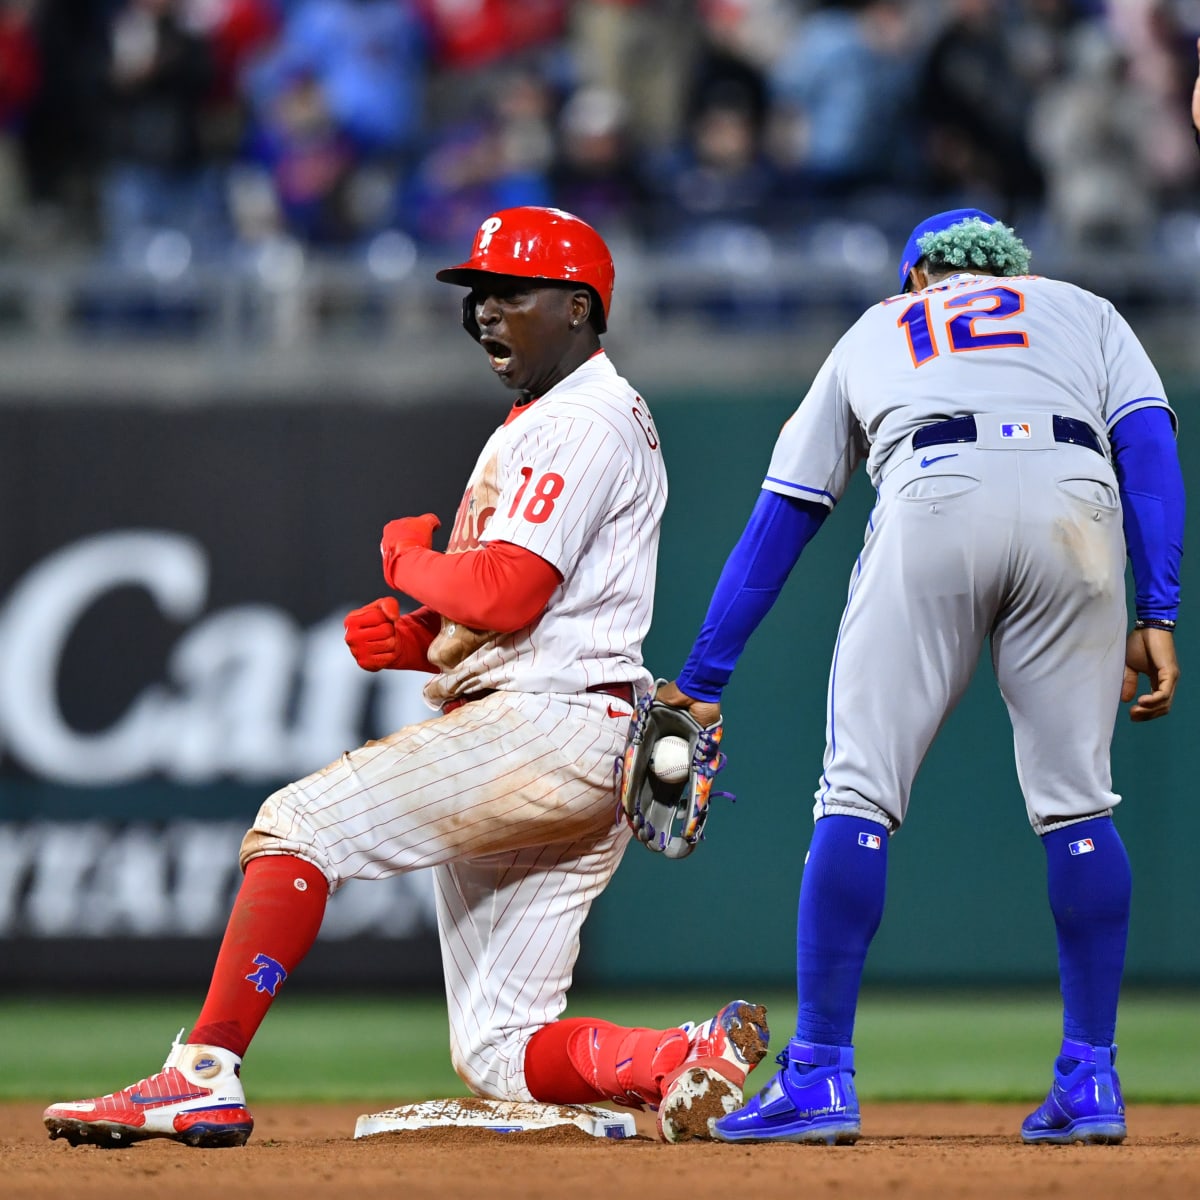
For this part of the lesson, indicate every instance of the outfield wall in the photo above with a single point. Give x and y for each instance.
(172, 581)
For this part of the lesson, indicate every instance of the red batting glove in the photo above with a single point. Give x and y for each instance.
(405, 534)
(372, 635)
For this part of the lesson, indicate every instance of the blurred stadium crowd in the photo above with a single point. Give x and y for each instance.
(226, 124)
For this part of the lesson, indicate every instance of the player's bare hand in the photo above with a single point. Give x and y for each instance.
(371, 634)
(1196, 92)
(1150, 652)
(705, 712)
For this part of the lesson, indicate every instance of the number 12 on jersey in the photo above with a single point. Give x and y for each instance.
(962, 334)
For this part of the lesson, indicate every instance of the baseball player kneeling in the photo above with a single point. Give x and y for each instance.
(1011, 425)
(531, 626)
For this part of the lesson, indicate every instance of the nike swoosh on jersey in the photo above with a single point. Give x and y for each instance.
(621, 712)
(928, 462)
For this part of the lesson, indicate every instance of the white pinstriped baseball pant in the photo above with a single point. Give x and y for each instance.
(510, 800)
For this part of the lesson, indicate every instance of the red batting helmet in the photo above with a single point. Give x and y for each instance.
(538, 243)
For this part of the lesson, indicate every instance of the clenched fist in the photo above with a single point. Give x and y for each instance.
(404, 534)
(373, 636)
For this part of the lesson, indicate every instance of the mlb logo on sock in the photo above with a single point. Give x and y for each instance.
(1083, 846)
(1016, 429)
(872, 841)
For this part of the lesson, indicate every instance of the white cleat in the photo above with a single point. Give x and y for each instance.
(196, 1098)
(709, 1082)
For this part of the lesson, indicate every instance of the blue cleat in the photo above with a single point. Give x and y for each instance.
(1084, 1104)
(811, 1099)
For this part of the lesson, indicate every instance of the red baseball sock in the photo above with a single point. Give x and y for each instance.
(275, 920)
(583, 1060)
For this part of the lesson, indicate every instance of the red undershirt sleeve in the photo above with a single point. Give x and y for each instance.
(499, 586)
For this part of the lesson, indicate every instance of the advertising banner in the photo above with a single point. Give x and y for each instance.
(172, 588)
(173, 580)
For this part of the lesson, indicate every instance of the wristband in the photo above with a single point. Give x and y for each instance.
(1154, 623)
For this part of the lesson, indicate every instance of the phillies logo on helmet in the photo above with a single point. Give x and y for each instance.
(489, 227)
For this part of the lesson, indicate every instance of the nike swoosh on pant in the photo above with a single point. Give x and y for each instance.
(928, 462)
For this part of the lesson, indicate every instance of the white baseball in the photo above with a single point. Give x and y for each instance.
(671, 759)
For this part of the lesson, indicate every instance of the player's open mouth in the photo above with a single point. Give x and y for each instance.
(499, 355)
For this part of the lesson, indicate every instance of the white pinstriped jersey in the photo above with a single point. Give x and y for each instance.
(577, 478)
(509, 798)
(1048, 347)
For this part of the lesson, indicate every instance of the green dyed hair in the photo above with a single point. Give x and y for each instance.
(990, 249)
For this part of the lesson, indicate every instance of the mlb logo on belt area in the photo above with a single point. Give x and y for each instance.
(1016, 429)
(1083, 846)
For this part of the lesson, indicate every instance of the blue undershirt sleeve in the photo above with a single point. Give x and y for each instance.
(1152, 497)
(754, 574)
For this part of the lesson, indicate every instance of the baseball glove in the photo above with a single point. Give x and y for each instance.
(667, 818)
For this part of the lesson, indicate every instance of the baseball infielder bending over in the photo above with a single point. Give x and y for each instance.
(531, 624)
(1010, 423)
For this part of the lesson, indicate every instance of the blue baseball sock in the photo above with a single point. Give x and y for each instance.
(1089, 885)
(841, 904)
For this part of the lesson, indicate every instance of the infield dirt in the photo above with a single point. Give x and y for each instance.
(907, 1151)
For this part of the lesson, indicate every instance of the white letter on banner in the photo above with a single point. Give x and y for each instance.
(233, 673)
(42, 611)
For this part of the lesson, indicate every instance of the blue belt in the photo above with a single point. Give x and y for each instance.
(962, 429)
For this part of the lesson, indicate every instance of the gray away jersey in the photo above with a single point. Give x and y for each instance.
(970, 344)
